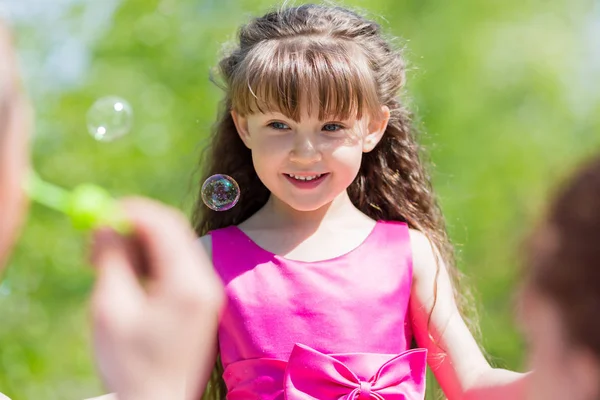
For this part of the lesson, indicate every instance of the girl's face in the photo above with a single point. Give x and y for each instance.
(14, 132)
(561, 370)
(307, 164)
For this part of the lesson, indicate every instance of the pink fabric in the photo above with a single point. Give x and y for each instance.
(349, 313)
(313, 375)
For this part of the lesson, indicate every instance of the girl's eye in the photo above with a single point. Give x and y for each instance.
(332, 127)
(278, 125)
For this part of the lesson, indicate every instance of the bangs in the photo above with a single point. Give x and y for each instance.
(322, 74)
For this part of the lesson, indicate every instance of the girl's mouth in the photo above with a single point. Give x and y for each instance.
(306, 181)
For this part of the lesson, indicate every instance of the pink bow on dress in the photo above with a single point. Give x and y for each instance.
(314, 375)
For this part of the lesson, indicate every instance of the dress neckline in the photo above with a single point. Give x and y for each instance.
(356, 249)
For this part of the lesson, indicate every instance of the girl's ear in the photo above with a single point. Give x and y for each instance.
(241, 124)
(376, 128)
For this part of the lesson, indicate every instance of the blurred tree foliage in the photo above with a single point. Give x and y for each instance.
(501, 90)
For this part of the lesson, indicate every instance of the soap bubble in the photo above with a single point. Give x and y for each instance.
(220, 192)
(109, 118)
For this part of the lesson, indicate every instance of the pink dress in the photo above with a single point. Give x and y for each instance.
(332, 329)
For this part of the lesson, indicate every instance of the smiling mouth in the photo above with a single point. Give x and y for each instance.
(305, 178)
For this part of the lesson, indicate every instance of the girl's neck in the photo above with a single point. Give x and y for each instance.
(341, 211)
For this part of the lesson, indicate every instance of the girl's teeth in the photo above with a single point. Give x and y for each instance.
(305, 178)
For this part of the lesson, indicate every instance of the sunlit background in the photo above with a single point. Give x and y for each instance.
(507, 94)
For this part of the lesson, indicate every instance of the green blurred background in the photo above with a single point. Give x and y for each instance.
(506, 93)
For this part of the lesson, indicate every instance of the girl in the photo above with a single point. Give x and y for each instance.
(336, 256)
(562, 295)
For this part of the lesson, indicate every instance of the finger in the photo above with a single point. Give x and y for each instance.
(179, 270)
(117, 292)
(129, 245)
(167, 242)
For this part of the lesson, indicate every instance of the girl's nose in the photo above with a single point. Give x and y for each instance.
(305, 152)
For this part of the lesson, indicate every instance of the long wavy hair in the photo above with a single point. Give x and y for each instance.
(347, 67)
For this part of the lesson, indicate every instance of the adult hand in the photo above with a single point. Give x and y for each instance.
(155, 306)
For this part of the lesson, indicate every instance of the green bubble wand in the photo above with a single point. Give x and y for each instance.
(88, 206)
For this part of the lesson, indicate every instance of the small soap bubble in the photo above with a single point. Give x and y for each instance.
(109, 118)
(220, 192)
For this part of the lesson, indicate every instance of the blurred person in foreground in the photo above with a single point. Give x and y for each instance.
(561, 297)
(148, 338)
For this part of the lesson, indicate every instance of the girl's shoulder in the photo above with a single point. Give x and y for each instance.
(421, 248)
(419, 242)
(206, 241)
(425, 256)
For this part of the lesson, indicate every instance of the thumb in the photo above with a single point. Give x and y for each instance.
(117, 292)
